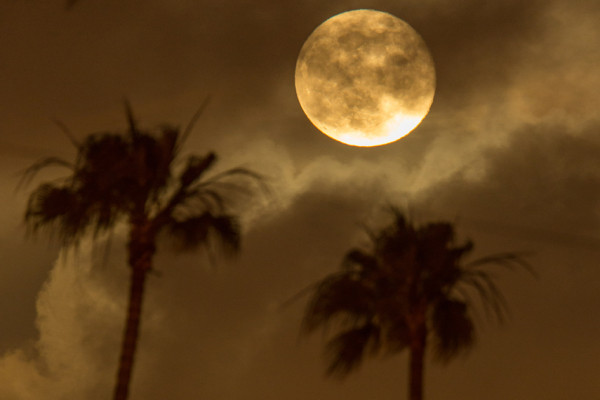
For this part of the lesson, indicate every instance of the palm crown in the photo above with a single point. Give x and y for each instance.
(409, 286)
(131, 177)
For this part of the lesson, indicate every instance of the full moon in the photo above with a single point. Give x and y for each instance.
(365, 78)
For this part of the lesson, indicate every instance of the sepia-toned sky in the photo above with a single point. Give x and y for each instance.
(510, 151)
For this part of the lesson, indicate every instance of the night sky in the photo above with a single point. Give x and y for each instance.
(510, 152)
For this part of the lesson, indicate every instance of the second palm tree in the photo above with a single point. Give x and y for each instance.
(409, 287)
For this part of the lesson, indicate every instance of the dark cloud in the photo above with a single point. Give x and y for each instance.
(509, 152)
(476, 44)
(542, 178)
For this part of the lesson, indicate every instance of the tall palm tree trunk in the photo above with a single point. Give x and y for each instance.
(130, 337)
(417, 356)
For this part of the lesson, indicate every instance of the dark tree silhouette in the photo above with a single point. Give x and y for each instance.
(410, 287)
(132, 178)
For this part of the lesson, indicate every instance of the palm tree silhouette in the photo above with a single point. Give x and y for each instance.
(131, 177)
(410, 286)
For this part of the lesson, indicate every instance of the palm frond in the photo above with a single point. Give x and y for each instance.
(357, 257)
(47, 203)
(490, 295)
(339, 297)
(226, 186)
(238, 171)
(104, 155)
(198, 201)
(63, 127)
(211, 199)
(166, 144)
(195, 195)
(227, 232)
(307, 290)
(30, 172)
(196, 167)
(131, 123)
(482, 281)
(57, 206)
(206, 228)
(396, 334)
(452, 327)
(347, 349)
(510, 260)
(188, 129)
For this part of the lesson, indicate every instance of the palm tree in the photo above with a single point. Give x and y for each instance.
(132, 178)
(409, 287)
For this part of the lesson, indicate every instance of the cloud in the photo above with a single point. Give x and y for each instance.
(79, 321)
(544, 183)
(555, 82)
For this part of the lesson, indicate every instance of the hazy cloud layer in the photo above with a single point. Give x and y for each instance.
(510, 151)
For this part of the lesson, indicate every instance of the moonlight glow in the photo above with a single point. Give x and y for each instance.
(365, 78)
